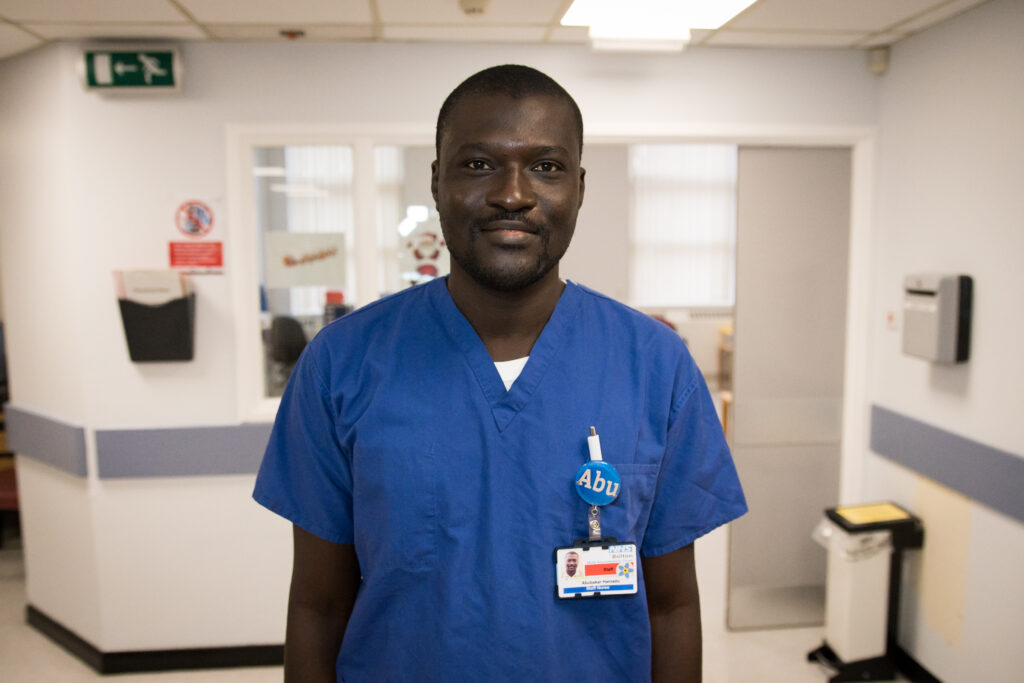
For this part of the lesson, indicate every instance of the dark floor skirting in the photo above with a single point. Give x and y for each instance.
(155, 660)
(235, 657)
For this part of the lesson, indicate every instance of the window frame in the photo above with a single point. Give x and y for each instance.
(253, 403)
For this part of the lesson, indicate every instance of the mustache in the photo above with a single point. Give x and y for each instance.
(479, 224)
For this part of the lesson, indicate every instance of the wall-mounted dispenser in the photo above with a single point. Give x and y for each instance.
(937, 317)
(158, 314)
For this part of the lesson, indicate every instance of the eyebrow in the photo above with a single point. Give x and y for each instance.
(483, 146)
(549, 149)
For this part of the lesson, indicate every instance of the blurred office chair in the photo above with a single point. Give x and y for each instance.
(287, 340)
(285, 343)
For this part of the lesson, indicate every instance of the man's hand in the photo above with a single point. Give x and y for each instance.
(674, 607)
(325, 578)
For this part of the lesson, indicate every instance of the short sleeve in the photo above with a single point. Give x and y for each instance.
(306, 474)
(698, 489)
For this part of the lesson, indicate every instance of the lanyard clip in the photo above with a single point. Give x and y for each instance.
(594, 523)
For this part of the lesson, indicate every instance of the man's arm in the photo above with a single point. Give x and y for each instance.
(325, 578)
(674, 607)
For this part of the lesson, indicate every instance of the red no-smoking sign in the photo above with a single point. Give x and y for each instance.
(194, 218)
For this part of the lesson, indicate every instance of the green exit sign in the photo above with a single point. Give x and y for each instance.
(136, 70)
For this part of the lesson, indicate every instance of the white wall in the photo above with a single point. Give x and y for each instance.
(90, 185)
(41, 268)
(189, 563)
(599, 255)
(59, 539)
(949, 169)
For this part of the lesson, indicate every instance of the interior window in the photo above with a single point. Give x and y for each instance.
(305, 217)
(683, 221)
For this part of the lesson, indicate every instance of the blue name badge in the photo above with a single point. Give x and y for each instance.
(598, 483)
(591, 570)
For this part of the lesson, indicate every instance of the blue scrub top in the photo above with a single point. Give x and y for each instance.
(397, 435)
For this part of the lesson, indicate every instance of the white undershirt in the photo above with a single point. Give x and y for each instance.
(510, 369)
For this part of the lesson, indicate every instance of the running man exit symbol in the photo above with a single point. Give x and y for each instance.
(131, 69)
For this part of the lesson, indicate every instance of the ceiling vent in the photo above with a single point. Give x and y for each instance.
(474, 8)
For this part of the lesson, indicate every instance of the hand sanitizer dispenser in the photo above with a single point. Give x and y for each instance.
(937, 317)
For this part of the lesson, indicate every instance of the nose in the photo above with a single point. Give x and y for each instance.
(512, 190)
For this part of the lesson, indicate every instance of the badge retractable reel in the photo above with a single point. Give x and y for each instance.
(599, 566)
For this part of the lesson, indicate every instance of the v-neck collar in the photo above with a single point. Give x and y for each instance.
(505, 405)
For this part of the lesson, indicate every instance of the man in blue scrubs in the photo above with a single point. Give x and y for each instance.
(427, 446)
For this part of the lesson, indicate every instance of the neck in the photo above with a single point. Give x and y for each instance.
(508, 323)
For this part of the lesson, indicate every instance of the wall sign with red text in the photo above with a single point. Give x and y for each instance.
(197, 254)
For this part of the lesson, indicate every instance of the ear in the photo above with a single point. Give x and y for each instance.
(433, 181)
(583, 185)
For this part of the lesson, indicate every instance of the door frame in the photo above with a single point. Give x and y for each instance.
(861, 140)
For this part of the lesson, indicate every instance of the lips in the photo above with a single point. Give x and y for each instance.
(513, 237)
(509, 226)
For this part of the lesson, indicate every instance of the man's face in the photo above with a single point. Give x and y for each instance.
(508, 185)
(571, 561)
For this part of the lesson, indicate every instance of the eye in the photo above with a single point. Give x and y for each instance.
(478, 165)
(547, 167)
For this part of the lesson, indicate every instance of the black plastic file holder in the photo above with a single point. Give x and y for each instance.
(159, 333)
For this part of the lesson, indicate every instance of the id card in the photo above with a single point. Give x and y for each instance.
(590, 570)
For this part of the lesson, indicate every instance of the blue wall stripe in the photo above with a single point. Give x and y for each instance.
(182, 451)
(49, 441)
(988, 475)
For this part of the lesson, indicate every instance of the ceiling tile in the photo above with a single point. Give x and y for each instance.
(277, 12)
(836, 15)
(449, 12)
(768, 23)
(13, 40)
(116, 31)
(66, 11)
(939, 14)
(569, 34)
(466, 34)
(781, 39)
(317, 32)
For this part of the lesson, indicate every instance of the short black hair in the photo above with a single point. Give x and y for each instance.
(514, 80)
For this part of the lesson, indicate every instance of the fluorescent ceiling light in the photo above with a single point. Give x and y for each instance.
(631, 36)
(655, 16)
(644, 45)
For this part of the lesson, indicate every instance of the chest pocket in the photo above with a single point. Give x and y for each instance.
(626, 517)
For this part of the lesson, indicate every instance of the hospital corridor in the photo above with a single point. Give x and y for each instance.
(476, 338)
